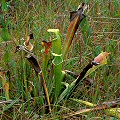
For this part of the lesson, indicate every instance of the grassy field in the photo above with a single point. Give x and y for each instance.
(20, 86)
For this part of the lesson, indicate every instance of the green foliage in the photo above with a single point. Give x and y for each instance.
(5, 34)
(7, 55)
(57, 61)
(4, 6)
(99, 31)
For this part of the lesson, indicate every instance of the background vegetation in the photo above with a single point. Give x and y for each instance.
(100, 32)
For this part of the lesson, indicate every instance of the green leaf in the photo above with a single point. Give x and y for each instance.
(5, 34)
(97, 50)
(67, 91)
(84, 102)
(4, 5)
(7, 55)
(56, 47)
(57, 60)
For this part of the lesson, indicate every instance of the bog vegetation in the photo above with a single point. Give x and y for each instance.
(59, 59)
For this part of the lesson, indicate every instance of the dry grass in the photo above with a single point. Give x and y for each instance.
(101, 32)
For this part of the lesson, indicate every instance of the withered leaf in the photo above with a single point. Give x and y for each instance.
(75, 19)
(32, 59)
(27, 43)
(47, 46)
